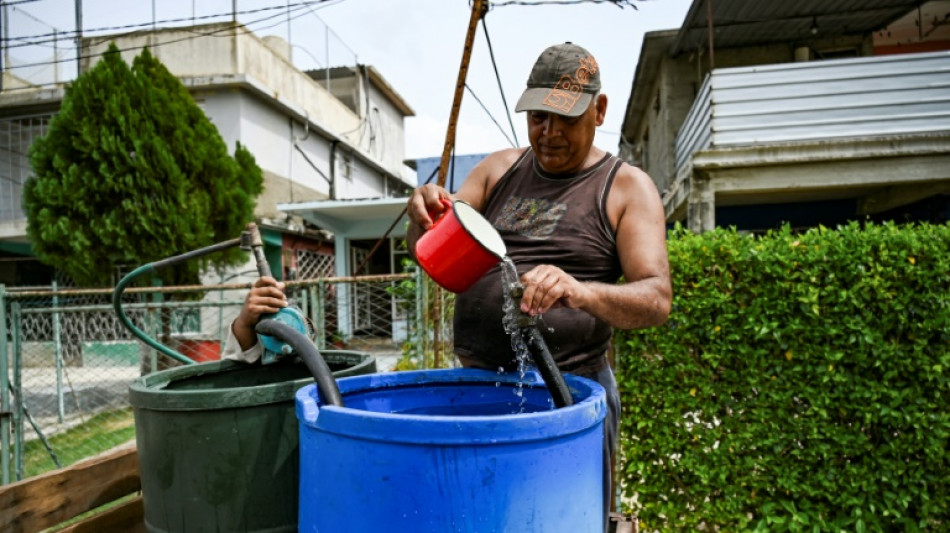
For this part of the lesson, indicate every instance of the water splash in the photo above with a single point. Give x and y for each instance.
(512, 314)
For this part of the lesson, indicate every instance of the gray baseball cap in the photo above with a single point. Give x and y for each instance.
(564, 79)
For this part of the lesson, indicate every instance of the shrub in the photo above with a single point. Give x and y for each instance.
(800, 384)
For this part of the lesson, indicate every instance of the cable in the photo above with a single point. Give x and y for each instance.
(215, 33)
(491, 54)
(619, 3)
(501, 129)
(139, 25)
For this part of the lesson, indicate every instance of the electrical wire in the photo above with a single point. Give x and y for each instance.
(619, 3)
(140, 25)
(501, 129)
(491, 54)
(221, 32)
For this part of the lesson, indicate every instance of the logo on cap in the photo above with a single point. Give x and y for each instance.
(569, 88)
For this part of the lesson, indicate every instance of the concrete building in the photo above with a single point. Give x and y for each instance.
(753, 114)
(325, 135)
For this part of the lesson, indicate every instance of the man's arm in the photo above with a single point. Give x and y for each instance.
(644, 298)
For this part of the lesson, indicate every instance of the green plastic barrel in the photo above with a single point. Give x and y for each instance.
(217, 443)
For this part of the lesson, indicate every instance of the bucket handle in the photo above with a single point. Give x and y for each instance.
(448, 209)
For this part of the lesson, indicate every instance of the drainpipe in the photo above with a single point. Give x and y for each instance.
(333, 144)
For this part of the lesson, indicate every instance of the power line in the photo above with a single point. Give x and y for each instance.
(504, 101)
(502, 130)
(215, 33)
(619, 3)
(74, 33)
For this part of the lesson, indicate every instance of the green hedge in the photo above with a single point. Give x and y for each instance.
(800, 384)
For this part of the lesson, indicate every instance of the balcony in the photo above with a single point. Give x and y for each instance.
(814, 130)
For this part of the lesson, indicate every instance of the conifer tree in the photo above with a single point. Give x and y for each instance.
(132, 171)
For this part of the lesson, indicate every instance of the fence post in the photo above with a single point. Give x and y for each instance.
(319, 311)
(422, 305)
(4, 390)
(58, 353)
(16, 320)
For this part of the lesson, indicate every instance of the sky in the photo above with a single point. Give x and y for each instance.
(416, 45)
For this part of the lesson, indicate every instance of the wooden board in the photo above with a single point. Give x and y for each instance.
(43, 501)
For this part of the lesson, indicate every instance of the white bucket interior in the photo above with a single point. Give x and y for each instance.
(480, 229)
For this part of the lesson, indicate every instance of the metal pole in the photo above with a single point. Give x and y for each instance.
(709, 30)
(4, 32)
(319, 296)
(78, 37)
(55, 56)
(58, 353)
(4, 391)
(17, 320)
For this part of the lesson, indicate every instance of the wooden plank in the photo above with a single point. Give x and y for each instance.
(43, 501)
(127, 517)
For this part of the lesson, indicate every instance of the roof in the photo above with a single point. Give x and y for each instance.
(367, 218)
(739, 23)
(460, 166)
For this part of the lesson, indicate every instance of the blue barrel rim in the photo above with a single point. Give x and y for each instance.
(588, 411)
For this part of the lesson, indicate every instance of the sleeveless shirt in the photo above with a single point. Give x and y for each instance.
(559, 220)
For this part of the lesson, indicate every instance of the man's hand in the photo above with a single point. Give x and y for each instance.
(425, 205)
(547, 286)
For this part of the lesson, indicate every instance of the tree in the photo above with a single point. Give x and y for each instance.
(132, 171)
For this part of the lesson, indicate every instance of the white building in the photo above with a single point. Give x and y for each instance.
(331, 135)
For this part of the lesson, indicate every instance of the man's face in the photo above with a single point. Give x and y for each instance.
(562, 143)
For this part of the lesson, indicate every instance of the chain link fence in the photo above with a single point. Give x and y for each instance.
(69, 360)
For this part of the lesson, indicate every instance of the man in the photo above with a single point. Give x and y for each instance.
(574, 220)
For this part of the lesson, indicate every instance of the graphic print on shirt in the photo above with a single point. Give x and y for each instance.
(531, 217)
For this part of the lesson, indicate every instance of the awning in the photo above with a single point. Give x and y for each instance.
(354, 219)
(738, 23)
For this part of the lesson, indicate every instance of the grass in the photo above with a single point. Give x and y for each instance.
(100, 433)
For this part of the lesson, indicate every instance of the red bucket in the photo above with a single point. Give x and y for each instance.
(459, 248)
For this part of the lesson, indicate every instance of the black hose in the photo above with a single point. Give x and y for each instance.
(326, 384)
(549, 371)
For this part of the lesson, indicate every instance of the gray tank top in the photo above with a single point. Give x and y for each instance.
(559, 220)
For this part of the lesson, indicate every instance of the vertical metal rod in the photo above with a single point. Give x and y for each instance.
(78, 37)
(319, 313)
(55, 56)
(4, 391)
(4, 32)
(17, 321)
(326, 61)
(709, 30)
(58, 353)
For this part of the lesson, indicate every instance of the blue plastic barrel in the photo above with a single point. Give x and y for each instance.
(451, 450)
